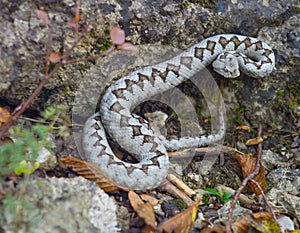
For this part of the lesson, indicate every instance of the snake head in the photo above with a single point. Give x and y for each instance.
(227, 65)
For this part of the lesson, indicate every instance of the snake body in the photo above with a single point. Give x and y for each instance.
(132, 133)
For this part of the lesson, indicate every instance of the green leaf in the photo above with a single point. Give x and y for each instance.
(226, 197)
(213, 191)
(25, 167)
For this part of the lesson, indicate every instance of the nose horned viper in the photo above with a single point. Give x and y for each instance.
(227, 53)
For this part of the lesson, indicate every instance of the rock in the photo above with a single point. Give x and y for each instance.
(60, 205)
(47, 159)
(285, 203)
(238, 212)
(157, 122)
(179, 24)
(286, 224)
(270, 159)
(285, 179)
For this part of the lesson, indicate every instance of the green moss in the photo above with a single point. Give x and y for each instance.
(288, 99)
(238, 115)
(180, 204)
(204, 3)
(102, 45)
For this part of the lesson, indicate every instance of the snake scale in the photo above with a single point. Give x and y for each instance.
(132, 133)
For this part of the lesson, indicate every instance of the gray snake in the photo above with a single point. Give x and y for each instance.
(132, 133)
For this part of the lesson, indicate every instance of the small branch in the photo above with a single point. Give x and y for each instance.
(77, 19)
(244, 183)
(70, 50)
(48, 49)
(267, 203)
(167, 186)
(95, 57)
(24, 106)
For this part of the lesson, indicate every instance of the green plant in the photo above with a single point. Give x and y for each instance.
(19, 156)
(225, 197)
(238, 115)
(180, 204)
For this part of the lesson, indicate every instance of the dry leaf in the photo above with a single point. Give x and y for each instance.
(143, 210)
(268, 132)
(42, 15)
(243, 127)
(183, 222)
(91, 171)
(55, 57)
(117, 36)
(215, 229)
(254, 141)
(147, 198)
(247, 163)
(4, 115)
(244, 224)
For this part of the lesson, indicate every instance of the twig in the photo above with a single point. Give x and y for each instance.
(24, 106)
(244, 183)
(187, 153)
(267, 203)
(167, 186)
(180, 184)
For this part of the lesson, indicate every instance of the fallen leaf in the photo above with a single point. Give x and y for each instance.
(147, 198)
(4, 115)
(243, 127)
(117, 36)
(254, 141)
(247, 163)
(268, 132)
(143, 210)
(215, 229)
(255, 220)
(183, 222)
(55, 57)
(42, 15)
(91, 171)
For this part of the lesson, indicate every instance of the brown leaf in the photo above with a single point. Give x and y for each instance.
(4, 115)
(128, 46)
(215, 229)
(143, 210)
(244, 224)
(42, 15)
(91, 171)
(147, 198)
(55, 57)
(254, 141)
(247, 163)
(183, 222)
(117, 36)
(243, 127)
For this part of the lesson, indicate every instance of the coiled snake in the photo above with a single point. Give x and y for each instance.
(131, 132)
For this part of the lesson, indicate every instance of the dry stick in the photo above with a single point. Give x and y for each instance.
(244, 183)
(23, 107)
(267, 203)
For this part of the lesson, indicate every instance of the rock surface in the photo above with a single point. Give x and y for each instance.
(24, 37)
(60, 205)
